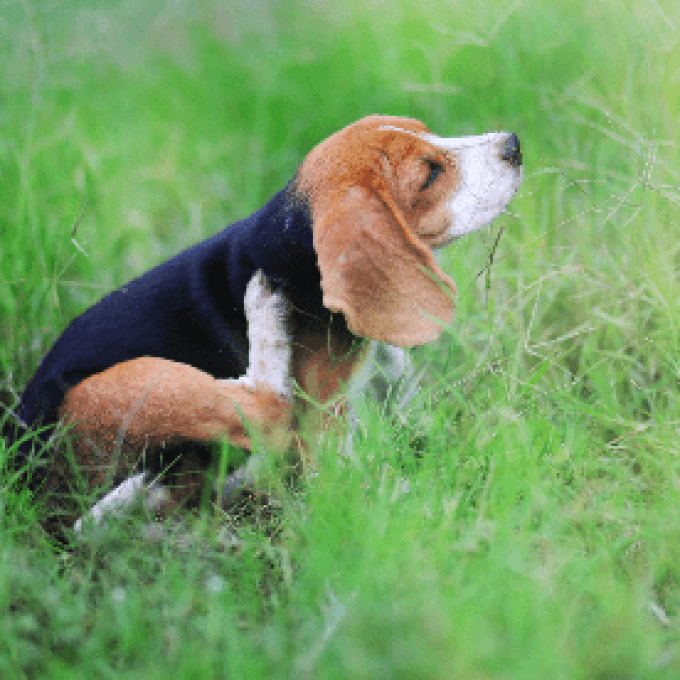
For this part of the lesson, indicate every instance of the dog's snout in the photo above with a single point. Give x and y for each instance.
(510, 152)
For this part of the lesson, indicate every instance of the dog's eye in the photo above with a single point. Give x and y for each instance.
(436, 169)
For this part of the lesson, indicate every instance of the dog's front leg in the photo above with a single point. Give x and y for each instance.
(269, 342)
(269, 363)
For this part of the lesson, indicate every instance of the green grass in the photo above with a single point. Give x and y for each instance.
(521, 521)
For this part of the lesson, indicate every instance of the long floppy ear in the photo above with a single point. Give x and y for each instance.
(377, 272)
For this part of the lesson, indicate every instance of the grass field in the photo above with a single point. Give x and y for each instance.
(522, 520)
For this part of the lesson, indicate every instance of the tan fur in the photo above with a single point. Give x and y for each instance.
(372, 228)
(323, 366)
(143, 406)
(150, 402)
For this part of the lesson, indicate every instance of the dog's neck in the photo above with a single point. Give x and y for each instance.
(279, 241)
(281, 244)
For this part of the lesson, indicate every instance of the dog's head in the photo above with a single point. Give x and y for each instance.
(383, 192)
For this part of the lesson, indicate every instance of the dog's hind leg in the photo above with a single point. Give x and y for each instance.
(145, 404)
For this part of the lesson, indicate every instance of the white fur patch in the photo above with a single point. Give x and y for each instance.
(487, 182)
(269, 343)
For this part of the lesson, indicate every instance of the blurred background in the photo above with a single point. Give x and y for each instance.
(522, 520)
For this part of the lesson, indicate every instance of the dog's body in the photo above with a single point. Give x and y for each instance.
(212, 340)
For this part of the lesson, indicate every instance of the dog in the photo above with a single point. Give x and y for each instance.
(210, 345)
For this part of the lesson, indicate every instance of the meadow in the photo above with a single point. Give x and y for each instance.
(520, 519)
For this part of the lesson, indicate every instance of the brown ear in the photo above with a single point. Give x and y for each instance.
(377, 272)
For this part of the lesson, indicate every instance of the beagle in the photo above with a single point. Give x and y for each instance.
(209, 345)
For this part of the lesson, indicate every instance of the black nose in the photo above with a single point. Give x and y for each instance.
(510, 150)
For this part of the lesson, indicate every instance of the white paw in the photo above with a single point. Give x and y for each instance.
(114, 503)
